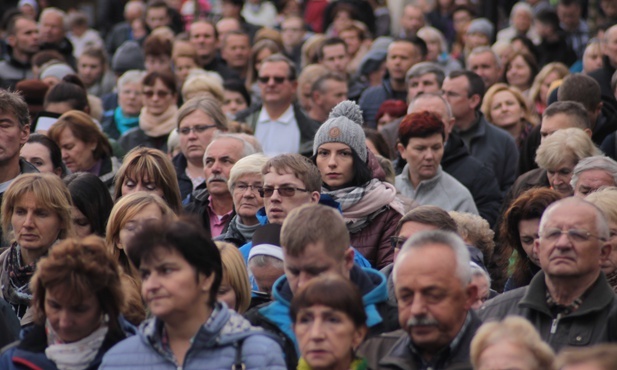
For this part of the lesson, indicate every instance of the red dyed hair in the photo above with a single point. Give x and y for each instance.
(395, 108)
(420, 124)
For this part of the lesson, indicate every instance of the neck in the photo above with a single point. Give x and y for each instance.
(184, 327)
(29, 256)
(466, 122)
(206, 59)
(194, 167)
(9, 170)
(415, 180)
(249, 221)
(565, 290)
(397, 85)
(20, 57)
(276, 110)
(318, 115)
(514, 130)
(222, 204)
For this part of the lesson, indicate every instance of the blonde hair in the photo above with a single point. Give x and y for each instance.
(534, 90)
(475, 231)
(309, 49)
(606, 200)
(206, 104)
(487, 102)
(203, 84)
(248, 165)
(518, 331)
(602, 355)
(566, 144)
(49, 192)
(310, 74)
(235, 274)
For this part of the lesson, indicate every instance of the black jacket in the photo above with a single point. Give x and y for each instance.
(198, 205)
(184, 182)
(64, 47)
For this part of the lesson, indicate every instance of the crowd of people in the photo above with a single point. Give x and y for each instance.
(287, 184)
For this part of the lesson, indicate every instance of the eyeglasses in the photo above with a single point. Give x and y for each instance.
(198, 129)
(277, 79)
(241, 188)
(397, 242)
(160, 93)
(284, 191)
(575, 236)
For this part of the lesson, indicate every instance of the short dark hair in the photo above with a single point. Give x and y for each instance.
(332, 291)
(330, 41)
(379, 141)
(157, 46)
(428, 215)
(185, 236)
(239, 87)
(70, 90)
(278, 57)
(581, 88)
(13, 103)
(319, 84)
(166, 78)
(573, 109)
(420, 124)
(92, 198)
(54, 150)
(549, 18)
(529, 59)
(420, 44)
(476, 85)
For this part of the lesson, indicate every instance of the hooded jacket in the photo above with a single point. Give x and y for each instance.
(216, 345)
(12, 71)
(274, 316)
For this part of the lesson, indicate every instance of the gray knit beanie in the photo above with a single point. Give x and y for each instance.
(128, 56)
(344, 125)
(55, 69)
(481, 25)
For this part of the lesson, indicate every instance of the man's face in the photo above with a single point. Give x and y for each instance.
(12, 137)
(157, 17)
(485, 66)
(610, 45)
(292, 32)
(522, 21)
(423, 156)
(401, 56)
(26, 38)
(555, 122)
(277, 206)
(51, 28)
(313, 262)
(220, 157)
(335, 58)
(335, 92)
(89, 69)
(237, 51)
(560, 254)
(227, 25)
(569, 16)
(592, 180)
(412, 20)
(456, 93)
(352, 40)
(193, 145)
(203, 38)
(424, 84)
(432, 301)
(278, 89)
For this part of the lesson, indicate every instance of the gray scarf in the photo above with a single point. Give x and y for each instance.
(246, 231)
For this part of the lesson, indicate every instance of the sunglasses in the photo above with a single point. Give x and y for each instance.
(198, 129)
(160, 93)
(277, 79)
(284, 191)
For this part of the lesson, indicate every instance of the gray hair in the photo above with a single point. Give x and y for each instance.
(476, 270)
(13, 103)
(262, 260)
(428, 32)
(293, 72)
(601, 223)
(453, 241)
(247, 148)
(597, 162)
(57, 12)
(424, 68)
(427, 96)
(521, 6)
(485, 49)
(248, 165)
(130, 76)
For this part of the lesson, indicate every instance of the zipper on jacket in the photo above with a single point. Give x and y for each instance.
(555, 323)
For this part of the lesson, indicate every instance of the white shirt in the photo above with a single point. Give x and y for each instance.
(278, 136)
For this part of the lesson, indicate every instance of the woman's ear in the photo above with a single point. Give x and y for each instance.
(358, 336)
(205, 282)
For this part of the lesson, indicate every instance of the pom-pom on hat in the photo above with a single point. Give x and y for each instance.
(344, 125)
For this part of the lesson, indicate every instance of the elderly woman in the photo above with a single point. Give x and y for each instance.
(438, 49)
(84, 146)
(352, 176)
(538, 93)
(77, 301)
(245, 181)
(158, 116)
(92, 204)
(199, 119)
(606, 200)
(235, 289)
(330, 323)
(518, 231)
(126, 116)
(149, 170)
(510, 344)
(181, 272)
(36, 213)
(506, 108)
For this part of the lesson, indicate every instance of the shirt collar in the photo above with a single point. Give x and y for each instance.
(286, 118)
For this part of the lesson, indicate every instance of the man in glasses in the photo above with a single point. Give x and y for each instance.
(569, 302)
(279, 125)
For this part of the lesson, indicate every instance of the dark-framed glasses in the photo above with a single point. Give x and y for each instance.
(160, 93)
(284, 191)
(397, 242)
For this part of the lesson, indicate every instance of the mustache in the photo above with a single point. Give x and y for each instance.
(421, 321)
(217, 177)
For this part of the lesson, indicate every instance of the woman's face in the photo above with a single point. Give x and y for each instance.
(260, 57)
(528, 233)
(36, 227)
(78, 156)
(327, 337)
(89, 69)
(157, 98)
(183, 66)
(72, 322)
(129, 98)
(227, 294)
(434, 49)
(560, 177)
(335, 163)
(81, 224)
(132, 185)
(609, 265)
(519, 73)
(506, 111)
(234, 103)
(169, 286)
(247, 200)
(151, 212)
(38, 155)
(505, 355)
(342, 20)
(546, 84)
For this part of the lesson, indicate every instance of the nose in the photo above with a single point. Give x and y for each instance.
(64, 320)
(332, 161)
(303, 279)
(28, 221)
(316, 330)
(418, 306)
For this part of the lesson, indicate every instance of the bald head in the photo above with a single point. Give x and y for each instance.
(435, 104)
(610, 48)
(574, 205)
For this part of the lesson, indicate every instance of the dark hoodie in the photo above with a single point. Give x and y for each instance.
(65, 48)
